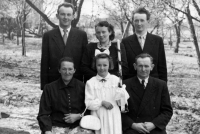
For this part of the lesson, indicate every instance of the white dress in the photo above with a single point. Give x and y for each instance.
(96, 92)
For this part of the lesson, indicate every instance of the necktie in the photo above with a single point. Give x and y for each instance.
(65, 36)
(141, 40)
(103, 80)
(143, 84)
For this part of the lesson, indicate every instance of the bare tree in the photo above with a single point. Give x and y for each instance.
(192, 30)
(190, 22)
(22, 12)
(77, 3)
(124, 11)
(44, 16)
(176, 17)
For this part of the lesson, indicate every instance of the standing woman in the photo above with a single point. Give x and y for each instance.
(105, 34)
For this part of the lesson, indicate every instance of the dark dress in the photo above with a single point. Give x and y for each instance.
(89, 53)
(58, 99)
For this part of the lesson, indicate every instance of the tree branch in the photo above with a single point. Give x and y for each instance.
(196, 6)
(181, 11)
(44, 16)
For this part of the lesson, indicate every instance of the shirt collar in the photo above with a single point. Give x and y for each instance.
(144, 35)
(145, 80)
(99, 46)
(106, 78)
(62, 32)
(62, 85)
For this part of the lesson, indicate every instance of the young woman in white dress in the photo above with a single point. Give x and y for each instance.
(101, 96)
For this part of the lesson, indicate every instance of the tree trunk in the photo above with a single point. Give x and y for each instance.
(3, 38)
(178, 36)
(17, 39)
(158, 26)
(77, 10)
(126, 30)
(23, 31)
(196, 6)
(122, 27)
(192, 30)
(170, 39)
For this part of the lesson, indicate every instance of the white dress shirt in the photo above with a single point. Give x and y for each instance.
(141, 39)
(62, 32)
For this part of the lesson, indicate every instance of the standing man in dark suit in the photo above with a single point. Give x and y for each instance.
(64, 41)
(149, 103)
(143, 42)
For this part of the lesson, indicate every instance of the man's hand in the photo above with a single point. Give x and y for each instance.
(140, 128)
(149, 126)
(48, 132)
(107, 105)
(71, 118)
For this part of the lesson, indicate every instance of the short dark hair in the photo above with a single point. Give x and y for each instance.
(103, 56)
(68, 59)
(143, 55)
(109, 26)
(66, 4)
(141, 10)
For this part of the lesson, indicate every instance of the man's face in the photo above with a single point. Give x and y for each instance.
(65, 16)
(143, 67)
(67, 71)
(102, 66)
(140, 22)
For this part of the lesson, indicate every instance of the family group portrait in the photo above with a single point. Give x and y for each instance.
(99, 67)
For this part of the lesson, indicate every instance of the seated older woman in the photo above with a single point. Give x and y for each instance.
(62, 102)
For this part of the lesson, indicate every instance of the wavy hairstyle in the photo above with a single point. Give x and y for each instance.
(102, 56)
(109, 26)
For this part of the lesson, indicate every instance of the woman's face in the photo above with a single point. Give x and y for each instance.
(102, 34)
(102, 66)
(67, 71)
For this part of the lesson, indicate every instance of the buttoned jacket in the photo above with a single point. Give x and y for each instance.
(53, 49)
(154, 46)
(154, 106)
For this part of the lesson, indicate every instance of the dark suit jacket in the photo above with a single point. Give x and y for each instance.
(154, 106)
(153, 46)
(89, 53)
(53, 49)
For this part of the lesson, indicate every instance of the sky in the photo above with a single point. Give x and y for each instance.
(93, 7)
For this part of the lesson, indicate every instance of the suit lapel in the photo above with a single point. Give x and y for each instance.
(71, 37)
(58, 39)
(148, 43)
(135, 94)
(135, 45)
(71, 42)
(150, 89)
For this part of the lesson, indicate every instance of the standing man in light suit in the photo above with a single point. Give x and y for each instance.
(143, 42)
(61, 42)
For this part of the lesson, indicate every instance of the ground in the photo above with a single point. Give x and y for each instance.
(20, 89)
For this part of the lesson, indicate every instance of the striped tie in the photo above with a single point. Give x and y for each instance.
(141, 40)
(65, 36)
(143, 84)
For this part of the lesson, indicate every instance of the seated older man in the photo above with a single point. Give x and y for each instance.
(62, 102)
